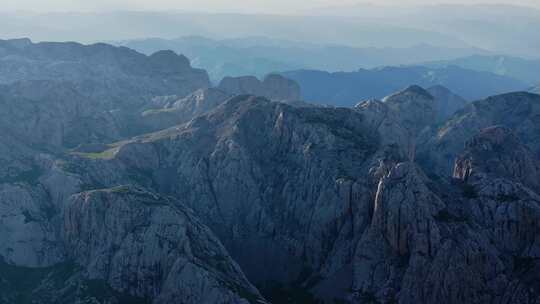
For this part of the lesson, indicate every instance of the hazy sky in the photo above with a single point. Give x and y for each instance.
(268, 6)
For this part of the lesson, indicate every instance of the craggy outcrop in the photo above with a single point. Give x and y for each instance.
(472, 240)
(146, 246)
(517, 111)
(497, 152)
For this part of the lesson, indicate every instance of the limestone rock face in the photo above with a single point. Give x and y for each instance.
(145, 246)
(273, 87)
(517, 111)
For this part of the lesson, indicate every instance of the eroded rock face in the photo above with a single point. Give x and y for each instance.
(143, 245)
(273, 87)
(422, 247)
(517, 111)
(497, 152)
(472, 240)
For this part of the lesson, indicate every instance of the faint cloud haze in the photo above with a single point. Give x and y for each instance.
(253, 6)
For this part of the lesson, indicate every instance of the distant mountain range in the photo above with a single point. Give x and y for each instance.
(497, 28)
(349, 88)
(526, 70)
(259, 56)
(505, 29)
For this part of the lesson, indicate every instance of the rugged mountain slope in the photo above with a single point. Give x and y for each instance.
(416, 109)
(286, 189)
(312, 203)
(324, 201)
(66, 94)
(347, 89)
(401, 118)
(111, 76)
(536, 89)
(54, 115)
(273, 87)
(518, 111)
(143, 245)
(448, 103)
(474, 240)
(123, 244)
(497, 152)
(236, 168)
(57, 245)
(100, 69)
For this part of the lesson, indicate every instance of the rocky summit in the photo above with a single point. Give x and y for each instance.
(273, 87)
(180, 192)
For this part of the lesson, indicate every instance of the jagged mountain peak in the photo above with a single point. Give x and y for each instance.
(409, 92)
(447, 102)
(415, 107)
